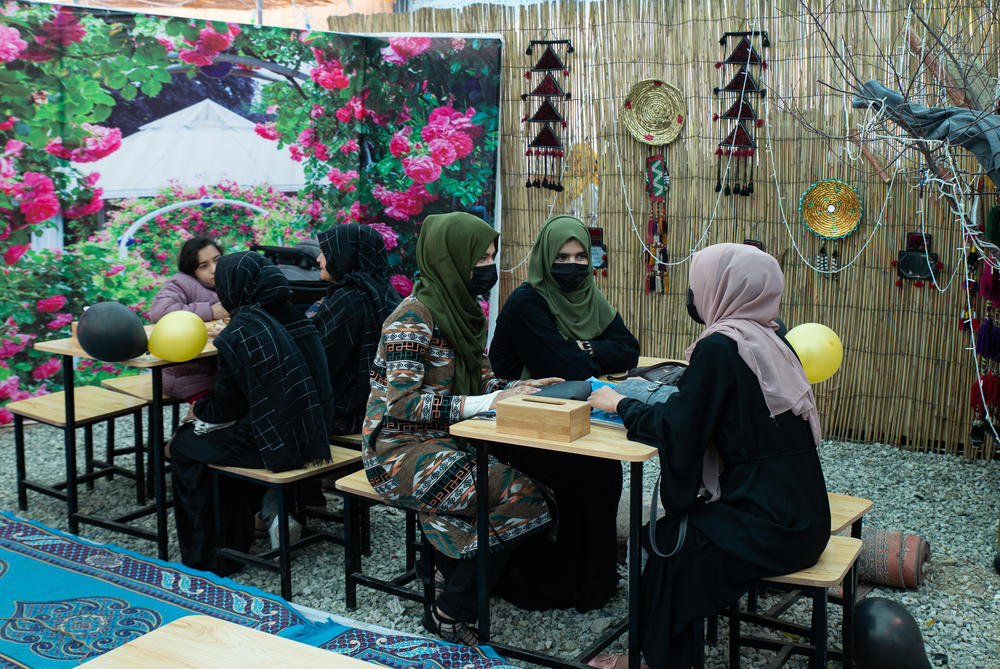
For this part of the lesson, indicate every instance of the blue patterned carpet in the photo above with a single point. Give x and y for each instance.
(64, 600)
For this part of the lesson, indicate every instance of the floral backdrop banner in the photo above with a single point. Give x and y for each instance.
(386, 129)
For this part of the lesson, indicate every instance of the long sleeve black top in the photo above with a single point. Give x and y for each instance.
(526, 337)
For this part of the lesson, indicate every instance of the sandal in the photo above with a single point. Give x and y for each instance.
(612, 661)
(452, 631)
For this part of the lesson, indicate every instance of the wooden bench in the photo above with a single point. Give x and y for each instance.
(141, 386)
(846, 512)
(341, 459)
(832, 568)
(91, 405)
(356, 488)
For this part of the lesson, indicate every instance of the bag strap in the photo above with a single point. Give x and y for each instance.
(681, 530)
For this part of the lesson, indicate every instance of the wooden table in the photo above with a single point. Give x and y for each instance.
(206, 642)
(69, 348)
(602, 442)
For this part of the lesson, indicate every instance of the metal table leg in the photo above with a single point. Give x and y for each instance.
(634, 561)
(156, 446)
(483, 538)
(69, 445)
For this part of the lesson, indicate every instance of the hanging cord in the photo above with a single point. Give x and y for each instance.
(718, 196)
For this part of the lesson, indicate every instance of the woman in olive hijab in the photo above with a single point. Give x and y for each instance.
(431, 371)
(559, 324)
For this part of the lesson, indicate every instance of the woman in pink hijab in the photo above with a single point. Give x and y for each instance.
(741, 481)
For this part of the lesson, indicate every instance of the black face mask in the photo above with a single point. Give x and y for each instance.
(484, 277)
(692, 310)
(569, 275)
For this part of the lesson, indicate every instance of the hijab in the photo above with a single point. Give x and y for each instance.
(286, 412)
(362, 296)
(737, 291)
(448, 247)
(356, 258)
(583, 313)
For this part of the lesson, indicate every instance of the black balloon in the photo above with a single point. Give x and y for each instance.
(111, 332)
(886, 636)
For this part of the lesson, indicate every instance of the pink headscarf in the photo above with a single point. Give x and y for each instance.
(737, 291)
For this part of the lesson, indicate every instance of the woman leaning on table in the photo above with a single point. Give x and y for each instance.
(191, 289)
(430, 371)
(558, 323)
(753, 506)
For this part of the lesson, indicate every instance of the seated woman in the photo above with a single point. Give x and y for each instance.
(559, 324)
(269, 409)
(349, 318)
(430, 371)
(753, 506)
(192, 289)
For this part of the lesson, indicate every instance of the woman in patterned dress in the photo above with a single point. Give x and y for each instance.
(431, 371)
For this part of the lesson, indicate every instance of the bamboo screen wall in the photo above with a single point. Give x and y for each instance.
(907, 373)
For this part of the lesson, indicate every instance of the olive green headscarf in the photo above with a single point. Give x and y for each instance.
(583, 313)
(448, 247)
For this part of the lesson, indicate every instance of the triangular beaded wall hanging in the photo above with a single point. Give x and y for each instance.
(544, 152)
(739, 146)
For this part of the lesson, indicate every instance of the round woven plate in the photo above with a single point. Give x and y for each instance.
(831, 208)
(654, 112)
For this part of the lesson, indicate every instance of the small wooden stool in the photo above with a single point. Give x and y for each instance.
(845, 512)
(91, 405)
(356, 488)
(833, 566)
(141, 386)
(341, 459)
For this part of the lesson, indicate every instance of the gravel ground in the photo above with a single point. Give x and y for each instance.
(951, 503)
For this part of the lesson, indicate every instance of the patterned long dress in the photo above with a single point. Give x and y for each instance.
(412, 461)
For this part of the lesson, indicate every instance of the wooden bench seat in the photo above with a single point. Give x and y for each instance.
(358, 495)
(91, 405)
(141, 386)
(833, 567)
(353, 440)
(847, 511)
(137, 385)
(341, 459)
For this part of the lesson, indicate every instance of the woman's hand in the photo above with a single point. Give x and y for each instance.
(218, 311)
(521, 389)
(540, 383)
(605, 399)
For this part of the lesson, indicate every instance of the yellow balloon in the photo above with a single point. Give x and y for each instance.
(178, 336)
(819, 349)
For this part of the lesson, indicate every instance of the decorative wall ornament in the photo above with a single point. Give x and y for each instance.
(658, 189)
(544, 152)
(654, 112)
(736, 115)
(917, 262)
(831, 208)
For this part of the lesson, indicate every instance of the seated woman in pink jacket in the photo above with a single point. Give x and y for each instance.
(192, 289)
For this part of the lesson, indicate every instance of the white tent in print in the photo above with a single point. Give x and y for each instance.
(203, 144)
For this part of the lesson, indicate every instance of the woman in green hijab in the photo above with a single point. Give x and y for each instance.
(431, 371)
(558, 323)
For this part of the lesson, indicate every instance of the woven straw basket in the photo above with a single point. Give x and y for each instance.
(831, 208)
(654, 112)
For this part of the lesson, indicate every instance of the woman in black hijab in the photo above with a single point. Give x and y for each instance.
(349, 319)
(268, 410)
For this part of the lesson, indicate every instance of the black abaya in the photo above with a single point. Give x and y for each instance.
(773, 516)
(580, 568)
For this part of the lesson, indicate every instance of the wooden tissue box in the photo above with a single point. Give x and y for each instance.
(543, 417)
